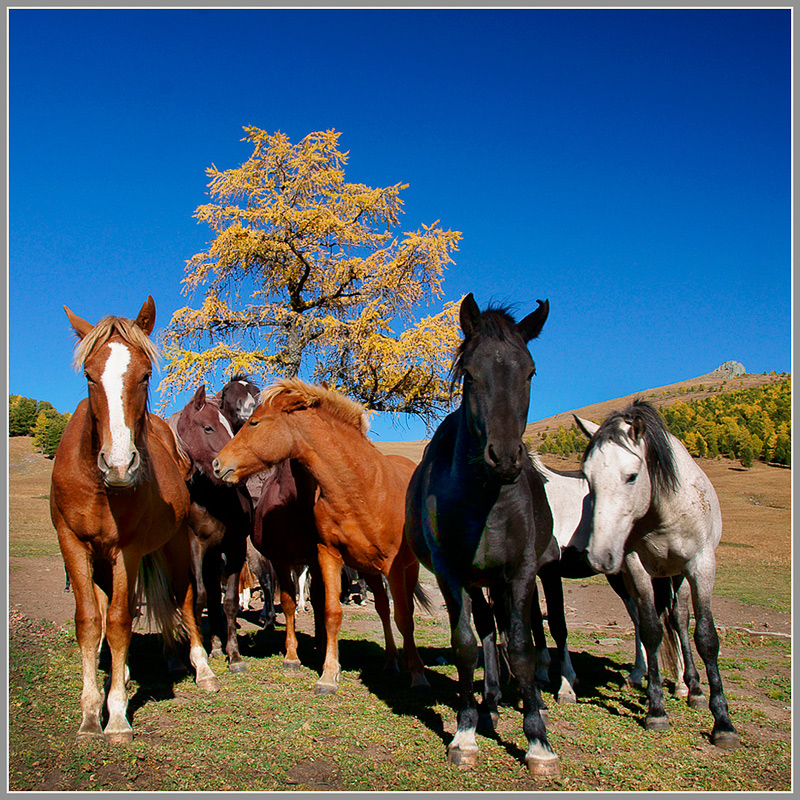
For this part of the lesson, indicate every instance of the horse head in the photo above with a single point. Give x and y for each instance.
(628, 463)
(116, 356)
(203, 431)
(496, 369)
(238, 399)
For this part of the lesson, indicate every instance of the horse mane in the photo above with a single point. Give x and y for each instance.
(496, 322)
(126, 329)
(336, 404)
(659, 456)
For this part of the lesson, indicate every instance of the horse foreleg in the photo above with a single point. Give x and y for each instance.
(118, 633)
(617, 583)
(484, 623)
(88, 632)
(705, 636)
(554, 595)
(375, 583)
(463, 749)
(231, 608)
(330, 562)
(641, 587)
(515, 605)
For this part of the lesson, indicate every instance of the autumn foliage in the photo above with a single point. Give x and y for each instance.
(308, 275)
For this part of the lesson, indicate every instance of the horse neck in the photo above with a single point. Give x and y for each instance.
(331, 458)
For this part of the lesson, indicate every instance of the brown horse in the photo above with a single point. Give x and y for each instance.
(359, 511)
(119, 501)
(220, 520)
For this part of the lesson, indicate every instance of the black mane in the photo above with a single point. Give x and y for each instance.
(648, 424)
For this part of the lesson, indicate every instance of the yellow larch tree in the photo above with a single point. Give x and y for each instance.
(308, 275)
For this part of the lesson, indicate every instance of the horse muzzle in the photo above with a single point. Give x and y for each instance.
(502, 465)
(120, 476)
(223, 473)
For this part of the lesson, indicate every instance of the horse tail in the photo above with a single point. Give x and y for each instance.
(421, 596)
(154, 589)
(669, 649)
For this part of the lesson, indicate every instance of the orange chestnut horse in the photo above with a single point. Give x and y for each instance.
(359, 511)
(119, 500)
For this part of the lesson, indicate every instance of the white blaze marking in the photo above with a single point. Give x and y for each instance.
(113, 381)
(226, 424)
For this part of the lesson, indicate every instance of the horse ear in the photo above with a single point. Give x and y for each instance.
(588, 427)
(199, 399)
(324, 385)
(147, 316)
(637, 429)
(469, 314)
(532, 325)
(80, 326)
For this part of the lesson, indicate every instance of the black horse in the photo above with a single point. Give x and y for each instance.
(477, 515)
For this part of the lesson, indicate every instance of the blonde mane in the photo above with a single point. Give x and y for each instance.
(336, 404)
(127, 329)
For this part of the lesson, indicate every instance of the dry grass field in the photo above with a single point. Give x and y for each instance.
(267, 731)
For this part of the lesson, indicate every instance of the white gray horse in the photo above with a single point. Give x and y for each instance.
(656, 514)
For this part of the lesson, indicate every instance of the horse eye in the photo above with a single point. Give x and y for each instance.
(208, 429)
(632, 478)
(253, 422)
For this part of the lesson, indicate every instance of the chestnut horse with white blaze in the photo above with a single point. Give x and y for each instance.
(359, 511)
(119, 502)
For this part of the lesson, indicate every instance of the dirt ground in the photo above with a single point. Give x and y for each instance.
(36, 589)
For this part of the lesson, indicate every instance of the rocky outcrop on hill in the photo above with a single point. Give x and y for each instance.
(730, 369)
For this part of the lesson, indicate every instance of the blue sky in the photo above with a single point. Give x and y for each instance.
(632, 166)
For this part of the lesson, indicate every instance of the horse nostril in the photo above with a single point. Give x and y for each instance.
(102, 464)
(493, 459)
(215, 466)
(135, 462)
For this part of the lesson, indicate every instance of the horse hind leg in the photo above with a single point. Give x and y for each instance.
(723, 735)
(375, 582)
(554, 595)
(488, 711)
(176, 554)
(687, 683)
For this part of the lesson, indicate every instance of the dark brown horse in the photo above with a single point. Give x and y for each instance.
(359, 511)
(119, 496)
(221, 519)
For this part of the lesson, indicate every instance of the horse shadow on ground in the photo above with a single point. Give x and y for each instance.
(601, 683)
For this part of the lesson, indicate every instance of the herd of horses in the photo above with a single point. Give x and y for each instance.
(167, 514)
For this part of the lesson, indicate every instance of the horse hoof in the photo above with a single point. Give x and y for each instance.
(463, 758)
(87, 736)
(237, 666)
(699, 701)
(540, 767)
(727, 740)
(119, 737)
(209, 684)
(215, 654)
(633, 683)
(656, 723)
(419, 683)
(566, 698)
(289, 663)
(325, 688)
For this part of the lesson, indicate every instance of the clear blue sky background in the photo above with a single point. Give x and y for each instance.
(633, 166)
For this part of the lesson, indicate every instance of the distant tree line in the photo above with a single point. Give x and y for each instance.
(746, 424)
(37, 418)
